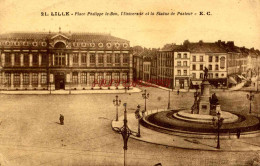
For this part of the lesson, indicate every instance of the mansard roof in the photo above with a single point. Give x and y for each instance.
(174, 48)
(201, 47)
(95, 37)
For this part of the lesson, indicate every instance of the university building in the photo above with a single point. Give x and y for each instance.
(64, 61)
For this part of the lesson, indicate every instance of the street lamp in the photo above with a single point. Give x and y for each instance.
(116, 103)
(139, 117)
(125, 132)
(250, 97)
(218, 123)
(145, 96)
(169, 102)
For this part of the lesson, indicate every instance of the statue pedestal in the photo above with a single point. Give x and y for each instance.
(204, 103)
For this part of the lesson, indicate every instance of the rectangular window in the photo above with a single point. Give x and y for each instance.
(125, 58)
(117, 58)
(91, 78)
(193, 67)
(210, 58)
(92, 58)
(16, 78)
(185, 72)
(109, 58)
(216, 67)
(44, 59)
(179, 63)
(185, 56)
(179, 55)
(35, 59)
(179, 72)
(201, 58)
(83, 78)
(8, 78)
(184, 63)
(193, 75)
(210, 67)
(34, 78)
(216, 59)
(25, 78)
(43, 78)
(7, 58)
(194, 58)
(210, 75)
(74, 77)
(83, 58)
(16, 59)
(26, 59)
(201, 67)
(100, 58)
(75, 58)
(201, 75)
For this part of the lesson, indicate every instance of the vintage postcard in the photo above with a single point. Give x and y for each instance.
(137, 83)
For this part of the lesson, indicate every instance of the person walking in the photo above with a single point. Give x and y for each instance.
(61, 119)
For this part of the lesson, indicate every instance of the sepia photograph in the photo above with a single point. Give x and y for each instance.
(129, 83)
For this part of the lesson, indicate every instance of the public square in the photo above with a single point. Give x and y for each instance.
(30, 133)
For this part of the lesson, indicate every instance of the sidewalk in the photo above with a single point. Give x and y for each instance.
(151, 136)
(64, 92)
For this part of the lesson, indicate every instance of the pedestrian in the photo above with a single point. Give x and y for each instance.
(238, 133)
(178, 92)
(61, 119)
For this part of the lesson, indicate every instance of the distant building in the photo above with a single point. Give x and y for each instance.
(64, 60)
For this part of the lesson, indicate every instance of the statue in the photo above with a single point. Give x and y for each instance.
(206, 70)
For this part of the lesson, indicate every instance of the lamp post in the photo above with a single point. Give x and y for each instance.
(250, 97)
(145, 96)
(169, 100)
(116, 103)
(218, 123)
(125, 132)
(138, 117)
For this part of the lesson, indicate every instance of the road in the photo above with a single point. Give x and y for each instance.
(30, 133)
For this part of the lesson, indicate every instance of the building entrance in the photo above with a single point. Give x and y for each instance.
(59, 81)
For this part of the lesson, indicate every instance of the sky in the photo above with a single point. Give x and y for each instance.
(230, 20)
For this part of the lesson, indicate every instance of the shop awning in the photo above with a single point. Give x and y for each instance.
(232, 80)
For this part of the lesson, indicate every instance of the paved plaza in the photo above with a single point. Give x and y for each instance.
(30, 133)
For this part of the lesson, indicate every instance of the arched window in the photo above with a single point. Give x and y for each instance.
(60, 45)
(222, 62)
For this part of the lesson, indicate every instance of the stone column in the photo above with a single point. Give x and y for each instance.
(88, 79)
(96, 58)
(3, 79)
(12, 59)
(105, 82)
(121, 59)
(79, 60)
(113, 59)
(30, 59)
(39, 80)
(3, 59)
(88, 59)
(53, 59)
(66, 59)
(71, 59)
(12, 80)
(21, 80)
(30, 80)
(105, 59)
(40, 59)
(21, 60)
(96, 78)
(79, 79)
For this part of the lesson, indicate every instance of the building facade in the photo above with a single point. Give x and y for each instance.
(64, 61)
